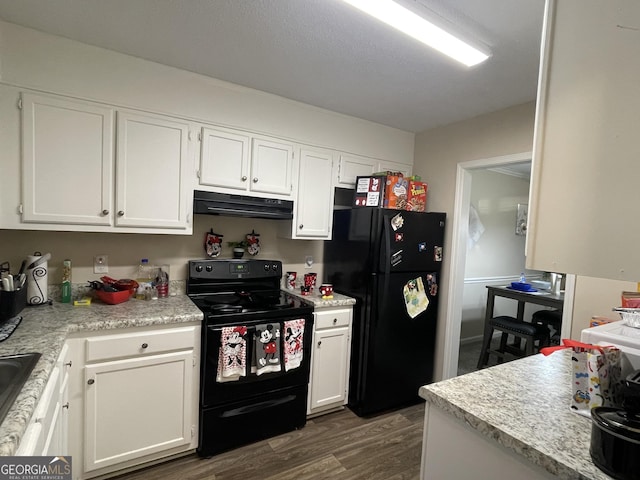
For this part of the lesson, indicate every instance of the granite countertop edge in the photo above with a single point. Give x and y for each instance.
(317, 301)
(44, 329)
(513, 423)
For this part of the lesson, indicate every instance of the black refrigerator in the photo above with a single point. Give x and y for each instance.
(390, 261)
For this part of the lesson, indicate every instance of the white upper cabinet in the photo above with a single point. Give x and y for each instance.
(224, 159)
(67, 161)
(352, 166)
(313, 216)
(403, 168)
(271, 167)
(237, 162)
(71, 178)
(584, 189)
(152, 171)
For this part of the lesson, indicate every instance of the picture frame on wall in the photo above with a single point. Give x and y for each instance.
(521, 219)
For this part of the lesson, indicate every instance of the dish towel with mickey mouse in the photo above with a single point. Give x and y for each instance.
(266, 349)
(293, 336)
(233, 354)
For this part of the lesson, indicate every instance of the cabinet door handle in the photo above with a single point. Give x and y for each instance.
(255, 179)
(91, 381)
(121, 213)
(68, 364)
(144, 345)
(335, 320)
(244, 178)
(66, 405)
(105, 212)
(301, 226)
(320, 343)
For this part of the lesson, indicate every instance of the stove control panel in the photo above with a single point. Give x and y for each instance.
(232, 269)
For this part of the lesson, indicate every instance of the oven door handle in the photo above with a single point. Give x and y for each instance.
(256, 407)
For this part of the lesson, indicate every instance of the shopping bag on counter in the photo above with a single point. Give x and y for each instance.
(596, 375)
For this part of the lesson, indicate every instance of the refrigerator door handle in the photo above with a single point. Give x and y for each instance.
(387, 260)
(387, 244)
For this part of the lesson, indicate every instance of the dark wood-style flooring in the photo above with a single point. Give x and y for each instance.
(338, 446)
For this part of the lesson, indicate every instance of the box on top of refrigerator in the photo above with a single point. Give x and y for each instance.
(396, 192)
(369, 191)
(417, 196)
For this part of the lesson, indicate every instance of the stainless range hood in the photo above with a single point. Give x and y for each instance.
(211, 203)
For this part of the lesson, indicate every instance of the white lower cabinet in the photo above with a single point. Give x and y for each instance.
(329, 380)
(139, 389)
(46, 433)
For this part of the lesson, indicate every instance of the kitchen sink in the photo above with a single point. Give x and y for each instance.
(14, 371)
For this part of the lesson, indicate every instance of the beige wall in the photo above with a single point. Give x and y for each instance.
(596, 296)
(437, 153)
(126, 250)
(505, 132)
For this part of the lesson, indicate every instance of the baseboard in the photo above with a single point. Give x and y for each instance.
(477, 338)
(467, 340)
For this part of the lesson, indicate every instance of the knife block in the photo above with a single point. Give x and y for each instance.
(12, 303)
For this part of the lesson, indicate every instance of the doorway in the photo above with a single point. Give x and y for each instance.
(462, 208)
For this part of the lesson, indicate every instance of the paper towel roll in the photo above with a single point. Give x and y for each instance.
(37, 281)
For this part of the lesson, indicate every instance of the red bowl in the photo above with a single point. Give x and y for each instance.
(113, 298)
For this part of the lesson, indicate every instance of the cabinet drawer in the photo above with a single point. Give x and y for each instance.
(139, 343)
(333, 318)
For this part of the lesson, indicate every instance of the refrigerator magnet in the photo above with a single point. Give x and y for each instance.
(396, 258)
(422, 247)
(432, 284)
(399, 237)
(437, 254)
(397, 222)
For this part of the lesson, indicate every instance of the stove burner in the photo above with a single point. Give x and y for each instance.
(224, 308)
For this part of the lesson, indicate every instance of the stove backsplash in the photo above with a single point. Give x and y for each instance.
(126, 250)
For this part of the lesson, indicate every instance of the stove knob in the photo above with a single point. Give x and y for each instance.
(274, 267)
(266, 267)
(209, 268)
(198, 268)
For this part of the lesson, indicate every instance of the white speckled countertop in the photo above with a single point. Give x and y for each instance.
(45, 328)
(317, 301)
(524, 406)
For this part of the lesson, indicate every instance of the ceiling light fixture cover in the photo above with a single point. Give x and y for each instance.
(421, 29)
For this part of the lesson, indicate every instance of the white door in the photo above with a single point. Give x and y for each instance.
(330, 365)
(136, 407)
(67, 161)
(271, 167)
(224, 159)
(152, 169)
(314, 209)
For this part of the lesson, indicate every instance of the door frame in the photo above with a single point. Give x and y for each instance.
(460, 227)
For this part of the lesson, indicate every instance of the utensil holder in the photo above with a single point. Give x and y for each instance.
(12, 303)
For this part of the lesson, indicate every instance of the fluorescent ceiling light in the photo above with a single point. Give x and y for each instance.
(417, 27)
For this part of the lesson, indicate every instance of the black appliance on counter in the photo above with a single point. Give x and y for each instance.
(243, 296)
(389, 260)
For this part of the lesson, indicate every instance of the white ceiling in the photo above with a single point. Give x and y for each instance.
(320, 52)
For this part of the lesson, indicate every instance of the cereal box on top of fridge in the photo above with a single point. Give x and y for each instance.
(369, 191)
(396, 192)
(417, 196)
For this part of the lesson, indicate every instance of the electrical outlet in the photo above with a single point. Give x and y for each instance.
(101, 264)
